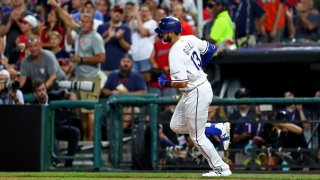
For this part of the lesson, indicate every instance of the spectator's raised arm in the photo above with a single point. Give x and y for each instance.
(66, 18)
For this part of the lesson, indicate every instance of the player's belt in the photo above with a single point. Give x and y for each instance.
(187, 91)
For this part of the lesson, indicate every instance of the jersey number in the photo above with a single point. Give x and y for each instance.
(196, 60)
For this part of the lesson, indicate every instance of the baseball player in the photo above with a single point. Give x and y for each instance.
(188, 55)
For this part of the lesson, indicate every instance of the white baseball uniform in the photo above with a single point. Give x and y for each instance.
(191, 113)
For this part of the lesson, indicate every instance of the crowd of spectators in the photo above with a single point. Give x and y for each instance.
(113, 44)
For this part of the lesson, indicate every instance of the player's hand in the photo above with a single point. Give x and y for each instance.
(162, 80)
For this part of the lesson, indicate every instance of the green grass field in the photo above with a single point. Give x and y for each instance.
(135, 175)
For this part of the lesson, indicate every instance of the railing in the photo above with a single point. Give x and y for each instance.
(48, 132)
(117, 102)
(113, 120)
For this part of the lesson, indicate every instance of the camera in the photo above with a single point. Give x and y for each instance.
(9, 86)
(77, 85)
(13, 85)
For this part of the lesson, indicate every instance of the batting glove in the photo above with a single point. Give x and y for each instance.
(162, 80)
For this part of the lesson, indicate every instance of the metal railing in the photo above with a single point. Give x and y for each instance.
(48, 133)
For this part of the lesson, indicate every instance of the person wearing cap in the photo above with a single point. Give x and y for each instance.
(133, 82)
(117, 40)
(125, 81)
(222, 31)
(89, 54)
(28, 26)
(28, 20)
(9, 24)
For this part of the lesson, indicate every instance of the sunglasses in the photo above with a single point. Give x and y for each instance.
(33, 39)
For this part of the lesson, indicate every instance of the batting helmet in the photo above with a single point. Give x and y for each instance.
(169, 24)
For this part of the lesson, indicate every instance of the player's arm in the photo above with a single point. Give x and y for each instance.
(207, 50)
(164, 82)
(178, 73)
(207, 54)
(175, 84)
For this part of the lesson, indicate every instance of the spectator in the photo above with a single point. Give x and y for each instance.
(222, 32)
(122, 3)
(143, 35)
(284, 134)
(125, 81)
(18, 54)
(304, 25)
(247, 16)
(9, 24)
(274, 22)
(89, 53)
(182, 13)
(129, 10)
(248, 127)
(40, 64)
(62, 56)
(117, 39)
(179, 12)
(295, 113)
(208, 24)
(104, 7)
(6, 6)
(90, 8)
(41, 22)
(81, 6)
(9, 90)
(53, 24)
(62, 130)
(188, 5)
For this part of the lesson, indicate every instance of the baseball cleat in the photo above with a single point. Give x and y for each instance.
(217, 173)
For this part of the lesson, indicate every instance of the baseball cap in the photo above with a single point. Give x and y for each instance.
(30, 20)
(127, 55)
(117, 8)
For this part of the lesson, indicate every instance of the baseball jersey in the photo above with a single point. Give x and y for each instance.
(185, 61)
